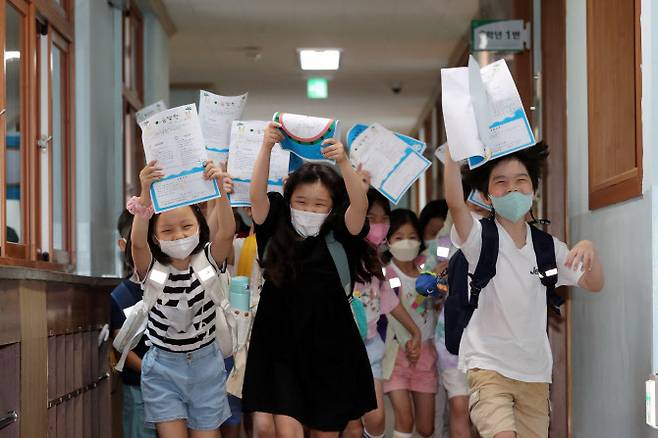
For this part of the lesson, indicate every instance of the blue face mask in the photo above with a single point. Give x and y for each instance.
(513, 206)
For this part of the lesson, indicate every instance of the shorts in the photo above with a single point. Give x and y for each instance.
(185, 386)
(376, 348)
(500, 404)
(455, 382)
(234, 402)
(422, 377)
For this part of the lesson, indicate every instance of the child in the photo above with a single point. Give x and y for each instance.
(412, 384)
(183, 373)
(125, 295)
(307, 364)
(504, 348)
(379, 299)
(431, 220)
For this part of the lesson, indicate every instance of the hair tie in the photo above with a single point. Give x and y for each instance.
(136, 208)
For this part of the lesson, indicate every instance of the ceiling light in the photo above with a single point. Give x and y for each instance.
(319, 59)
(12, 54)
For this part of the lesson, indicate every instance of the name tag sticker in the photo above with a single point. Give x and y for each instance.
(442, 251)
(206, 273)
(158, 276)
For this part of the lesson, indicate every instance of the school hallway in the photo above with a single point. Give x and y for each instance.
(76, 74)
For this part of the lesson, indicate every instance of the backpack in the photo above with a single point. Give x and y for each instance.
(463, 295)
(215, 283)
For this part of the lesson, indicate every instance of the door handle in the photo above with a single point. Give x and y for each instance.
(3, 111)
(43, 141)
(11, 417)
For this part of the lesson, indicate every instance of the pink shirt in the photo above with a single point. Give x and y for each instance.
(378, 299)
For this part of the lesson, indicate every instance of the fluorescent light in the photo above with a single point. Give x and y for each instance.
(319, 59)
(12, 54)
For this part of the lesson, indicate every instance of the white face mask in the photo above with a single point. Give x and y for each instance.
(180, 248)
(307, 223)
(405, 250)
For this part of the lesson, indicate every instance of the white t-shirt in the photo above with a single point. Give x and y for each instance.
(420, 308)
(507, 332)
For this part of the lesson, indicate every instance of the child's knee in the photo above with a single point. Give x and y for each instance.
(425, 430)
(354, 429)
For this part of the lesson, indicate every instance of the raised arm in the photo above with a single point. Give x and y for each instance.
(222, 237)
(142, 210)
(452, 181)
(260, 204)
(355, 216)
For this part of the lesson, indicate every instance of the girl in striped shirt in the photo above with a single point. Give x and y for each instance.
(183, 375)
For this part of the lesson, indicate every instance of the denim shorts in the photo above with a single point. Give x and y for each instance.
(376, 348)
(185, 386)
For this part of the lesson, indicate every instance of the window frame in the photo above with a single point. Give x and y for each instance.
(133, 96)
(627, 184)
(9, 249)
(60, 22)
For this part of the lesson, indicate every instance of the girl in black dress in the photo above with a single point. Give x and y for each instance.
(307, 364)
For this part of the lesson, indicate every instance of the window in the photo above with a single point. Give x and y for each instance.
(614, 95)
(14, 129)
(36, 134)
(133, 97)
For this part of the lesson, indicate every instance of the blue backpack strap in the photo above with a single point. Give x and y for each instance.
(547, 265)
(486, 266)
(339, 256)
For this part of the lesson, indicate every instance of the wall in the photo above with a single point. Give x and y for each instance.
(611, 331)
(99, 171)
(156, 61)
(99, 126)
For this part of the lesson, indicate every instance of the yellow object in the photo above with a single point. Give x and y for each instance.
(247, 257)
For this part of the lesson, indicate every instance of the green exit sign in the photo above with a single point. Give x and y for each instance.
(316, 88)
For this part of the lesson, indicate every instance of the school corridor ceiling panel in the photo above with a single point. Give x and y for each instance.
(251, 45)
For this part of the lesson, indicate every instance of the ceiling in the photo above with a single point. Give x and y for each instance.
(383, 42)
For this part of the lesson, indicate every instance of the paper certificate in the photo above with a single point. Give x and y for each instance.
(142, 115)
(356, 130)
(475, 198)
(216, 114)
(246, 140)
(392, 163)
(303, 135)
(173, 138)
(483, 113)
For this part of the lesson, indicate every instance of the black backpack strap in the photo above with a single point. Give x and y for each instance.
(486, 266)
(547, 265)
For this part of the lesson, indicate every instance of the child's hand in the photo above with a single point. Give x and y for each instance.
(412, 349)
(334, 150)
(581, 255)
(365, 176)
(213, 171)
(149, 174)
(273, 135)
(228, 183)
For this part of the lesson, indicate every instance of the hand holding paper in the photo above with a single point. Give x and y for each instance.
(303, 135)
(483, 113)
(334, 150)
(173, 138)
(392, 164)
(247, 138)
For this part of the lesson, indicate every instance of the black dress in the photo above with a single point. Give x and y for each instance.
(306, 358)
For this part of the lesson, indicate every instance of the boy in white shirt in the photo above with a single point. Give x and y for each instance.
(505, 349)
